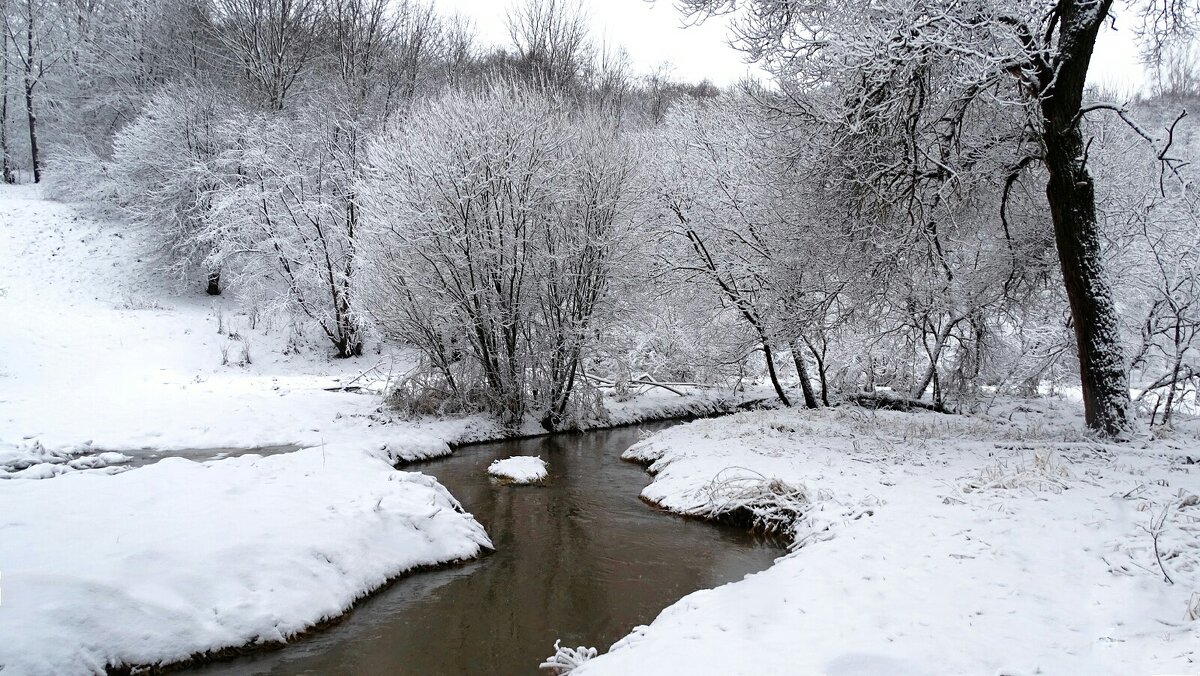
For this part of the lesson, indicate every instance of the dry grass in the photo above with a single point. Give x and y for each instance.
(1041, 474)
(746, 497)
(565, 660)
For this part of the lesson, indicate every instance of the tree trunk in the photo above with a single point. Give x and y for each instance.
(767, 352)
(1072, 197)
(6, 170)
(29, 84)
(810, 400)
(819, 357)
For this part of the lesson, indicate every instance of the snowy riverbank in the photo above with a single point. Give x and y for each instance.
(181, 558)
(935, 544)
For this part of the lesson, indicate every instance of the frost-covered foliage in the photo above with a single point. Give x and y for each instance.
(931, 115)
(496, 220)
(1152, 229)
(539, 223)
(166, 171)
(566, 660)
(287, 217)
(763, 503)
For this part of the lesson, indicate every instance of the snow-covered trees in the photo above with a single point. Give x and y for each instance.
(38, 36)
(287, 218)
(166, 174)
(908, 82)
(270, 41)
(727, 214)
(496, 218)
(879, 218)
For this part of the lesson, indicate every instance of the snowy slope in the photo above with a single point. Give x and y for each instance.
(161, 562)
(179, 557)
(934, 544)
(99, 355)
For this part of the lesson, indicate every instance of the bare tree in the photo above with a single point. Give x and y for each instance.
(551, 39)
(919, 74)
(735, 222)
(6, 168)
(458, 47)
(33, 28)
(271, 41)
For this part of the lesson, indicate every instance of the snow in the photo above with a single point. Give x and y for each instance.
(520, 469)
(935, 544)
(104, 368)
(176, 558)
(101, 355)
(926, 543)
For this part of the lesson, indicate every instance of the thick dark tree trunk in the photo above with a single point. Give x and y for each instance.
(348, 345)
(1072, 197)
(6, 169)
(810, 399)
(770, 356)
(819, 357)
(29, 84)
(214, 284)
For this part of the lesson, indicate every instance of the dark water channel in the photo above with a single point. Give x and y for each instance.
(579, 559)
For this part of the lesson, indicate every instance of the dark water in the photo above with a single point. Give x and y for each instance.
(141, 458)
(579, 559)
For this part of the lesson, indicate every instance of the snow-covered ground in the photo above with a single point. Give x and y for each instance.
(933, 544)
(177, 558)
(520, 469)
(926, 543)
(100, 355)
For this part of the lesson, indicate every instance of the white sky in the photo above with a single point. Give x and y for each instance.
(653, 34)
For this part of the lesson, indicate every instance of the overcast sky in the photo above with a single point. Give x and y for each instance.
(653, 33)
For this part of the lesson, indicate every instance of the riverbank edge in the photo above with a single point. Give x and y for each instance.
(684, 412)
(205, 657)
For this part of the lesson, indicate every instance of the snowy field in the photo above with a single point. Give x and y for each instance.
(933, 544)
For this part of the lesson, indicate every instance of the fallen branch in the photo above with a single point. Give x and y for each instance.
(893, 402)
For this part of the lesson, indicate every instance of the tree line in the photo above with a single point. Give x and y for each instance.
(924, 197)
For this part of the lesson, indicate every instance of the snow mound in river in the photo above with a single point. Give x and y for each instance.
(521, 469)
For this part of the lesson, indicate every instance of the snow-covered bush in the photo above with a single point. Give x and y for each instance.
(287, 217)
(496, 218)
(166, 171)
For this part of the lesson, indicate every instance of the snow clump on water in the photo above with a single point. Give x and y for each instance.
(521, 469)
